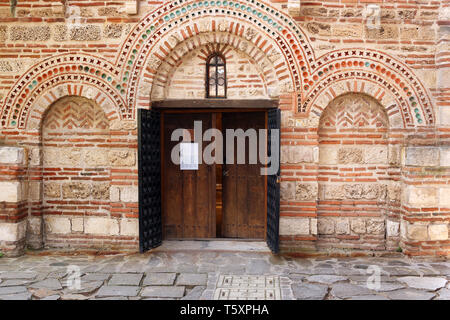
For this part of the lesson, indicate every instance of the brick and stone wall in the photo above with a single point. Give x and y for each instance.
(364, 94)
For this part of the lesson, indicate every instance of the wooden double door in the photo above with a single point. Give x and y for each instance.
(224, 199)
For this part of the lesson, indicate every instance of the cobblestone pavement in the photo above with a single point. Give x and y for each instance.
(221, 275)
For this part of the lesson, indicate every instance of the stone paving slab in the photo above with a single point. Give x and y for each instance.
(163, 292)
(126, 279)
(159, 279)
(117, 291)
(213, 274)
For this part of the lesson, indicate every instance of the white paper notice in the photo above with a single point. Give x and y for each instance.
(189, 156)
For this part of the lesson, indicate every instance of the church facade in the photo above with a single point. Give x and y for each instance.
(359, 91)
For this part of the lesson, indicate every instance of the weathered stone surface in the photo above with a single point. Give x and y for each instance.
(438, 232)
(358, 226)
(85, 288)
(444, 156)
(444, 294)
(350, 155)
(192, 279)
(126, 279)
(51, 298)
(100, 191)
(375, 155)
(306, 291)
(384, 32)
(18, 275)
(129, 227)
(346, 290)
(410, 294)
(98, 225)
(77, 224)
(52, 190)
(76, 190)
(122, 158)
(95, 277)
(306, 191)
(113, 31)
(129, 194)
(51, 284)
(328, 155)
(159, 279)
(297, 154)
(342, 226)
(426, 283)
(354, 191)
(11, 155)
(12, 231)
(375, 226)
(163, 292)
(36, 33)
(56, 224)
(114, 291)
(85, 33)
(10, 191)
(294, 226)
(417, 232)
(422, 156)
(420, 196)
(392, 228)
(96, 158)
(12, 290)
(325, 226)
(16, 296)
(43, 293)
(287, 190)
(444, 197)
(195, 293)
(326, 278)
(388, 286)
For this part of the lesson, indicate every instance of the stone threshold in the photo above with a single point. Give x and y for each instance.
(214, 245)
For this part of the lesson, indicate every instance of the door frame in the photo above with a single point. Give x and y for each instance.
(212, 106)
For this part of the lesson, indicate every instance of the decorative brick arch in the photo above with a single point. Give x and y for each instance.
(59, 76)
(272, 76)
(161, 30)
(368, 71)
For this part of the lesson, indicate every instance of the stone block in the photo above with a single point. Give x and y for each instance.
(35, 190)
(313, 223)
(354, 191)
(59, 225)
(445, 156)
(52, 190)
(192, 279)
(85, 33)
(12, 155)
(417, 232)
(76, 190)
(35, 33)
(129, 227)
(114, 194)
(77, 224)
(328, 155)
(325, 226)
(294, 226)
(392, 228)
(306, 191)
(118, 291)
(422, 196)
(444, 197)
(375, 155)
(438, 232)
(129, 194)
(100, 191)
(445, 116)
(13, 231)
(422, 156)
(96, 157)
(297, 154)
(10, 191)
(375, 226)
(287, 190)
(56, 157)
(126, 279)
(358, 226)
(122, 158)
(101, 226)
(342, 226)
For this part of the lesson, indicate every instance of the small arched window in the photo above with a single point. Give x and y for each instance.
(216, 77)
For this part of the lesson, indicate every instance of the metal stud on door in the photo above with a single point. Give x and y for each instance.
(273, 185)
(150, 226)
